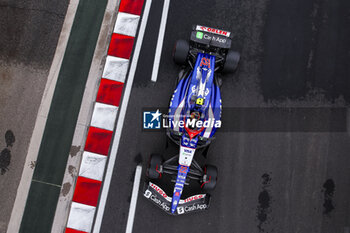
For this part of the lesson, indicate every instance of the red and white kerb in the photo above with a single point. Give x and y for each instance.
(87, 189)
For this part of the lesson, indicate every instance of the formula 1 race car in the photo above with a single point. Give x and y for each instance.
(194, 116)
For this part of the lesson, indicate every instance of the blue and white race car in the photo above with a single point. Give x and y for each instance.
(194, 116)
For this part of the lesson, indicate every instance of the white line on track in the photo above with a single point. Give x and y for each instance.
(135, 192)
(160, 41)
(120, 122)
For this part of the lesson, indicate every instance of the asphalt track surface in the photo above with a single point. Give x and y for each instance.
(295, 53)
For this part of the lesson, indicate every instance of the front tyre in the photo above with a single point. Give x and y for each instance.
(209, 178)
(154, 170)
(231, 62)
(180, 52)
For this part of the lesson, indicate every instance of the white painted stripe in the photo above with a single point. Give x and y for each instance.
(104, 116)
(135, 192)
(160, 41)
(92, 166)
(115, 68)
(126, 24)
(120, 122)
(81, 217)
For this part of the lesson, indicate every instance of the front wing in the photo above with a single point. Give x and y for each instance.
(191, 204)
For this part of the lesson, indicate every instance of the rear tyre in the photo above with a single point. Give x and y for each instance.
(209, 178)
(180, 52)
(154, 166)
(231, 62)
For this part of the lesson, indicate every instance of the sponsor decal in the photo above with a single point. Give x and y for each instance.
(183, 169)
(163, 204)
(159, 190)
(186, 209)
(195, 207)
(205, 62)
(186, 156)
(199, 35)
(214, 38)
(151, 120)
(147, 194)
(213, 30)
(193, 198)
(200, 101)
(188, 151)
(159, 202)
(180, 210)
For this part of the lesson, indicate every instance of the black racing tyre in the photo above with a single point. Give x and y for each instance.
(153, 170)
(231, 62)
(180, 52)
(211, 173)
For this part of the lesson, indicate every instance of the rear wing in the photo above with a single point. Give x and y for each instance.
(211, 36)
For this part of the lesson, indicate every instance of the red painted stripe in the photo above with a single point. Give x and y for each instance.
(110, 92)
(70, 230)
(98, 140)
(121, 46)
(131, 6)
(87, 191)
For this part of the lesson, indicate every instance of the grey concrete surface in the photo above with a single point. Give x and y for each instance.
(294, 54)
(28, 39)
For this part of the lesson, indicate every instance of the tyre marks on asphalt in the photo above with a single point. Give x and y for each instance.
(5, 155)
(265, 200)
(328, 191)
(264, 203)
